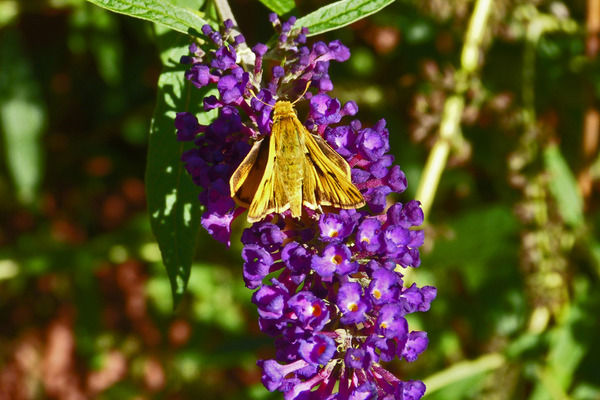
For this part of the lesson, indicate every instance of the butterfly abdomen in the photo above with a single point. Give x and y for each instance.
(289, 165)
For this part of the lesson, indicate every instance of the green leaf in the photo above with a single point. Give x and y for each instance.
(563, 187)
(339, 14)
(23, 117)
(567, 350)
(95, 31)
(470, 371)
(279, 6)
(159, 11)
(172, 197)
(570, 343)
(216, 302)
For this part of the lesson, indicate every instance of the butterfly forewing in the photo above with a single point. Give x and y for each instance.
(264, 201)
(331, 174)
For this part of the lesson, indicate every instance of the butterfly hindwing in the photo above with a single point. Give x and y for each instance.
(246, 179)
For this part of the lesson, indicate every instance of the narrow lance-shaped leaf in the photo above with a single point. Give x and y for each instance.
(563, 186)
(22, 117)
(159, 11)
(172, 197)
(341, 13)
(566, 349)
(279, 6)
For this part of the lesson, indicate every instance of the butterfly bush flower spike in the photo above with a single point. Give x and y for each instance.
(329, 286)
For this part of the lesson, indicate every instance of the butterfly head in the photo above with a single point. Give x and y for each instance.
(283, 109)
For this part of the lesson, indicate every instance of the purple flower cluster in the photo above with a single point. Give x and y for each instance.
(328, 286)
(337, 305)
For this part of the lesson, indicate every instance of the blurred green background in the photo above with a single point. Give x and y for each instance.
(512, 241)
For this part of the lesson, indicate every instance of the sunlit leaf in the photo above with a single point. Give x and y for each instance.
(563, 186)
(569, 343)
(22, 117)
(339, 14)
(279, 6)
(469, 372)
(159, 11)
(172, 197)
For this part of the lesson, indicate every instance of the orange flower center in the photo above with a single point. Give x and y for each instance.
(316, 310)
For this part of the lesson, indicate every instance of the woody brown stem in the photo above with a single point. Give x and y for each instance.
(591, 123)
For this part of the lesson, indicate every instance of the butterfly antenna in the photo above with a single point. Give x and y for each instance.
(254, 95)
(303, 93)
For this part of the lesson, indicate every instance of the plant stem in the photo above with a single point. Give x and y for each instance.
(225, 13)
(450, 133)
(591, 125)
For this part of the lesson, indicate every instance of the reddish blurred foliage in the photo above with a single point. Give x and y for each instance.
(248, 376)
(180, 332)
(154, 374)
(384, 39)
(114, 210)
(99, 166)
(48, 204)
(134, 191)
(42, 362)
(60, 83)
(23, 220)
(114, 369)
(64, 230)
(19, 376)
(123, 289)
(47, 283)
(445, 42)
(59, 370)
